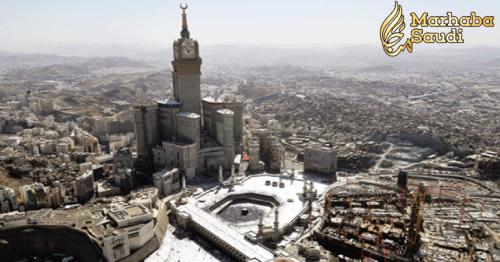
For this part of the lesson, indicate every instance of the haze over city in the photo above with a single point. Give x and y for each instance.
(36, 26)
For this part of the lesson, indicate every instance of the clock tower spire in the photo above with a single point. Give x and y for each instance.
(184, 31)
(186, 69)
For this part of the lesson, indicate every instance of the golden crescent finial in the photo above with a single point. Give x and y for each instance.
(183, 6)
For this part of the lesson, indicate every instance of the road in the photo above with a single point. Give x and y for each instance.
(382, 157)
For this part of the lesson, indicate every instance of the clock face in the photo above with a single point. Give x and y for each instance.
(188, 51)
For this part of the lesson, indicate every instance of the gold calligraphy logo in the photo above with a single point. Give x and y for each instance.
(391, 33)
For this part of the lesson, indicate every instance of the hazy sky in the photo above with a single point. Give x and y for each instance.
(156, 23)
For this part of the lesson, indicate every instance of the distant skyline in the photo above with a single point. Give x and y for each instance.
(32, 25)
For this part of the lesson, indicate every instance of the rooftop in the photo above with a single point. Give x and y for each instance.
(225, 111)
(226, 233)
(222, 99)
(189, 115)
(170, 102)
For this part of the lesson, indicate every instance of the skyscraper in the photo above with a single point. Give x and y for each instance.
(169, 133)
(146, 132)
(186, 73)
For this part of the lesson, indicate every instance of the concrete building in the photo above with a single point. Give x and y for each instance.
(167, 181)
(254, 154)
(146, 132)
(106, 189)
(115, 245)
(8, 201)
(189, 128)
(167, 118)
(320, 159)
(123, 169)
(41, 105)
(56, 196)
(125, 179)
(210, 108)
(224, 124)
(101, 126)
(183, 156)
(118, 141)
(270, 149)
(264, 136)
(139, 235)
(62, 148)
(34, 196)
(47, 147)
(123, 159)
(84, 186)
(275, 155)
(90, 144)
(146, 196)
(402, 180)
(224, 127)
(129, 215)
(274, 125)
(117, 231)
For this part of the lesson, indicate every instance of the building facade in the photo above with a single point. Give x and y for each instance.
(173, 134)
(146, 132)
(210, 108)
(167, 181)
(320, 159)
(186, 73)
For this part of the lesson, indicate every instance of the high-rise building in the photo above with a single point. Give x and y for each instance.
(146, 132)
(255, 164)
(264, 136)
(171, 133)
(84, 187)
(276, 155)
(402, 179)
(210, 107)
(224, 120)
(186, 74)
(189, 128)
(8, 201)
(167, 118)
(34, 196)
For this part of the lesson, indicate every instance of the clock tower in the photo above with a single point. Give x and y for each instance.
(186, 69)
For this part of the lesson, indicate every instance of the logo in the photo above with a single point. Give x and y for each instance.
(391, 32)
(392, 29)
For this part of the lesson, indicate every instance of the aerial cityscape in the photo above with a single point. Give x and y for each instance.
(250, 154)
